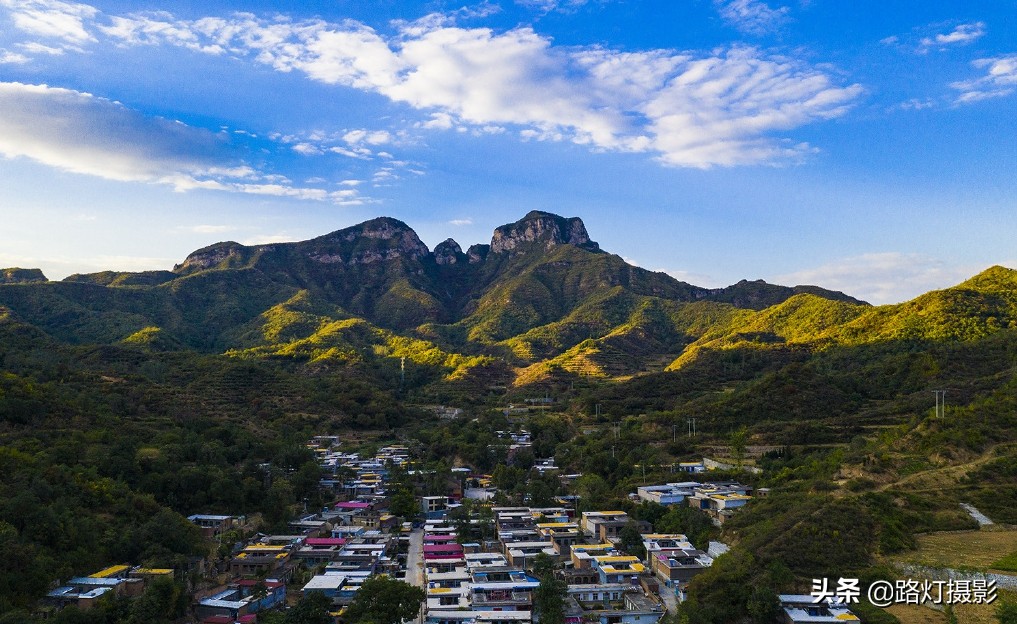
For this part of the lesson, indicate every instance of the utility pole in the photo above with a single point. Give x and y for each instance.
(402, 372)
(940, 403)
(692, 426)
(674, 433)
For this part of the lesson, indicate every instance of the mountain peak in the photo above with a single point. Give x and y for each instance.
(543, 228)
(993, 278)
(16, 275)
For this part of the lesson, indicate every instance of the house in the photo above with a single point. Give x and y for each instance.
(617, 568)
(259, 559)
(719, 503)
(609, 530)
(478, 617)
(583, 554)
(83, 591)
(241, 599)
(667, 494)
(803, 609)
(591, 519)
(434, 507)
(212, 525)
(522, 554)
(655, 543)
(330, 585)
(677, 566)
(612, 603)
(502, 589)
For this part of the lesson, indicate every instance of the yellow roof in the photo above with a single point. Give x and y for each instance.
(110, 571)
(851, 617)
(555, 525)
(616, 558)
(439, 590)
(592, 546)
(635, 567)
(154, 571)
(254, 547)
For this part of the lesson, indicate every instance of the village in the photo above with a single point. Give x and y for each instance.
(477, 562)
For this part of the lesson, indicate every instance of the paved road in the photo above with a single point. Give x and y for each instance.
(979, 517)
(670, 600)
(415, 569)
(415, 559)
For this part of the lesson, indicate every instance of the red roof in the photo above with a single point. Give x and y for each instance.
(439, 538)
(324, 541)
(442, 548)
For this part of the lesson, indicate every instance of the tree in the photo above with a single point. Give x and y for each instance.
(632, 540)
(312, 609)
(385, 600)
(549, 597)
(738, 440)
(1006, 612)
(404, 504)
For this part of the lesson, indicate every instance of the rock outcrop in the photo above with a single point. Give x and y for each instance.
(448, 252)
(15, 275)
(544, 229)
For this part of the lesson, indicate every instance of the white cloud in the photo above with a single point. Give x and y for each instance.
(915, 104)
(59, 266)
(85, 134)
(690, 109)
(12, 58)
(307, 149)
(33, 47)
(881, 278)
(461, 222)
(52, 19)
(268, 239)
(962, 34)
(375, 137)
(547, 6)
(1000, 80)
(754, 17)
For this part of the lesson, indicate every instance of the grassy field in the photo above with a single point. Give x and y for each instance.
(965, 613)
(963, 549)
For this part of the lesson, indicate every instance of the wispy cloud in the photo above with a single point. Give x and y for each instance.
(881, 278)
(962, 34)
(12, 58)
(724, 107)
(1000, 80)
(59, 266)
(62, 22)
(461, 222)
(547, 6)
(82, 133)
(753, 17)
(268, 239)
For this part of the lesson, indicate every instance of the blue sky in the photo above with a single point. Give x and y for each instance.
(846, 144)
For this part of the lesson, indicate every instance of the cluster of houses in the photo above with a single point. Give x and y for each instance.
(344, 544)
(492, 584)
(718, 500)
(118, 580)
(489, 582)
